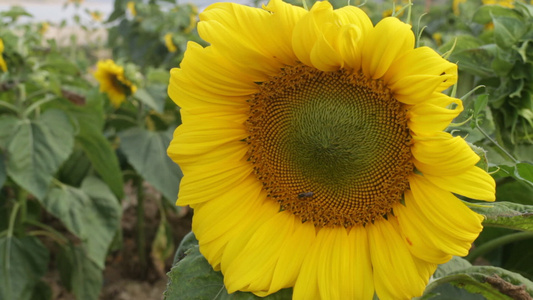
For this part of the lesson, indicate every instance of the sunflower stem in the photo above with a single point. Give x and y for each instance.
(495, 143)
(497, 243)
(141, 237)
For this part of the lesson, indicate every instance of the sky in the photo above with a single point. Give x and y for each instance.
(52, 10)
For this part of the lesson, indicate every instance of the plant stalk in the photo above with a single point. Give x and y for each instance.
(141, 236)
(498, 242)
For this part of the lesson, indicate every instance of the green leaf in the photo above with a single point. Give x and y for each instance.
(90, 119)
(186, 243)
(3, 172)
(454, 265)
(37, 149)
(193, 278)
(103, 159)
(92, 213)
(79, 273)
(490, 282)
(146, 151)
(524, 172)
(22, 262)
(472, 55)
(506, 214)
(485, 13)
(7, 124)
(508, 31)
(143, 96)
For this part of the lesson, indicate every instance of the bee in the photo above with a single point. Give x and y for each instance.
(305, 195)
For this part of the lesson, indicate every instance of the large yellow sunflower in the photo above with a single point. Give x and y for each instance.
(3, 65)
(113, 82)
(314, 156)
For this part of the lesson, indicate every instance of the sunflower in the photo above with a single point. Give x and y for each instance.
(113, 82)
(169, 43)
(3, 65)
(314, 155)
(130, 6)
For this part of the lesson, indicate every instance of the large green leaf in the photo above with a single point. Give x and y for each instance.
(145, 96)
(23, 261)
(506, 214)
(486, 13)
(193, 278)
(36, 149)
(91, 212)
(508, 31)
(103, 158)
(90, 118)
(79, 273)
(492, 283)
(146, 151)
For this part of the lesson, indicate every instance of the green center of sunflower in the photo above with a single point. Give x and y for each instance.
(331, 147)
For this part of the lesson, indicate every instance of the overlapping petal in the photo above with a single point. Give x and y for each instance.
(419, 73)
(386, 42)
(434, 114)
(396, 273)
(272, 257)
(249, 37)
(449, 228)
(337, 266)
(442, 154)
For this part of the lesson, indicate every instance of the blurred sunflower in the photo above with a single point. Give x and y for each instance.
(43, 28)
(96, 16)
(130, 6)
(3, 65)
(113, 82)
(169, 43)
(314, 155)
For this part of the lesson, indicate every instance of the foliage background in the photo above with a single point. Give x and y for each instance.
(84, 184)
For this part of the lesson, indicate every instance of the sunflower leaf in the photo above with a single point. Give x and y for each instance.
(22, 262)
(146, 151)
(506, 214)
(37, 149)
(487, 281)
(92, 213)
(79, 273)
(193, 278)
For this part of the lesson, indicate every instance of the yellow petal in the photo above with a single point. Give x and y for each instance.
(260, 259)
(349, 45)
(356, 16)
(201, 136)
(266, 210)
(338, 264)
(187, 93)
(284, 18)
(386, 42)
(473, 183)
(309, 29)
(396, 274)
(419, 73)
(228, 218)
(235, 114)
(212, 73)
(433, 218)
(207, 182)
(433, 115)
(442, 154)
(248, 36)
(324, 57)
